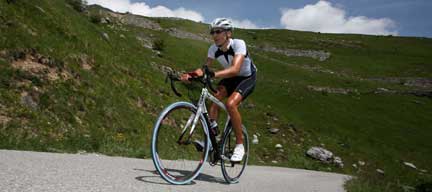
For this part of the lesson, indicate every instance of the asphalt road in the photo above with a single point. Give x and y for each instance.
(55, 172)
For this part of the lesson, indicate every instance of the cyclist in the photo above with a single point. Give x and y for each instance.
(239, 77)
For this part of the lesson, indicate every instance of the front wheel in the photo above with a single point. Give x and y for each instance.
(174, 154)
(232, 171)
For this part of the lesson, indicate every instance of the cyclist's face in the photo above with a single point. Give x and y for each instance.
(219, 36)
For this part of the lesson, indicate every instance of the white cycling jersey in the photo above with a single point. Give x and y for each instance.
(236, 46)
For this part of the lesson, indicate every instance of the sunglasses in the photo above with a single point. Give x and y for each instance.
(216, 31)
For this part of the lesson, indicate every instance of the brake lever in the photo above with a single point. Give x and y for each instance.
(174, 89)
(207, 78)
(172, 79)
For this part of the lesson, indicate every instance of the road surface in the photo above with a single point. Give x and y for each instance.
(56, 172)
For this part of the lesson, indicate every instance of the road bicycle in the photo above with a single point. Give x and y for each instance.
(182, 140)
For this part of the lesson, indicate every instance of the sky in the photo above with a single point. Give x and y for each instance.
(375, 17)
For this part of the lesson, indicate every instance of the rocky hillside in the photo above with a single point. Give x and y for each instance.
(85, 79)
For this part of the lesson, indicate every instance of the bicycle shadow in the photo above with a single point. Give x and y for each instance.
(201, 177)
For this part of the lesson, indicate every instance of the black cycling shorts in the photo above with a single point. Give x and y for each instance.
(242, 85)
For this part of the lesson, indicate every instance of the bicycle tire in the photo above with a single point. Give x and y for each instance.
(164, 149)
(231, 171)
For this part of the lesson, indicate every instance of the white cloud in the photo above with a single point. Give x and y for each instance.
(245, 24)
(142, 8)
(324, 17)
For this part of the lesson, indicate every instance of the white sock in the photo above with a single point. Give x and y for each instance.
(240, 145)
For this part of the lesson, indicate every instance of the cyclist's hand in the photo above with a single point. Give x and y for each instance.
(185, 77)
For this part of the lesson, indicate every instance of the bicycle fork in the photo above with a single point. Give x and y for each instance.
(191, 119)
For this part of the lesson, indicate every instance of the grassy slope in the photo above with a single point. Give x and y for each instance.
(383, 130)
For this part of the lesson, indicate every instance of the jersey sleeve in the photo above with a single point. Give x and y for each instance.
(239, 47)
(211, 52)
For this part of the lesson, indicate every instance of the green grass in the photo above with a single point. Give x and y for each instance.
(111, 108)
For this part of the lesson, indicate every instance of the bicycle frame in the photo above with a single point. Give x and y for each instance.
(202, 109)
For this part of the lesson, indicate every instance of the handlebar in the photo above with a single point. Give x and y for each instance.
(172, 77)
(205, 80)
(208, 77)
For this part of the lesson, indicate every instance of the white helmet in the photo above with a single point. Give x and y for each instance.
(223, 23)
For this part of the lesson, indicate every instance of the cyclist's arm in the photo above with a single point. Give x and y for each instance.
(199, 72)
(234, 70)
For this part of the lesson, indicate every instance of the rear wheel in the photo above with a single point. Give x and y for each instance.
(174, 154)
(232, 171)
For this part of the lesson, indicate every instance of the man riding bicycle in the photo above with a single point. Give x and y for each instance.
(239, 77)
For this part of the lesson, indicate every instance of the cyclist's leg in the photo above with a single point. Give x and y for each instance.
(214, 109)
(242, 91)
(232, 106)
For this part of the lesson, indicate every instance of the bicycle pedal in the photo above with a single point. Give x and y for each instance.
(199, 145)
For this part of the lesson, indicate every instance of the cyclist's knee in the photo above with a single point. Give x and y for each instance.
(219, 95)
(234, 101)
(231, 105)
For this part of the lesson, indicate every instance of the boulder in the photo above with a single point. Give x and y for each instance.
(28, 101)
(105, 36)
(255, 139)
(338, 161)
(321, 154)
(274, 130)
(408, 164)
(380, 171)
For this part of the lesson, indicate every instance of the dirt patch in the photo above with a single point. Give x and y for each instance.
(3, 116)
(332, 90)
(418, 93)
(3, 53)
(36, 65)
(4, 119)
(338, 43)
(314, 54)
(35, 68)
(30, 99)
(407, 81)
(85, 61)
(187, 35)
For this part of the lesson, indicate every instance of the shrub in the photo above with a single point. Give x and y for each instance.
(96, 19)
(159, 44)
